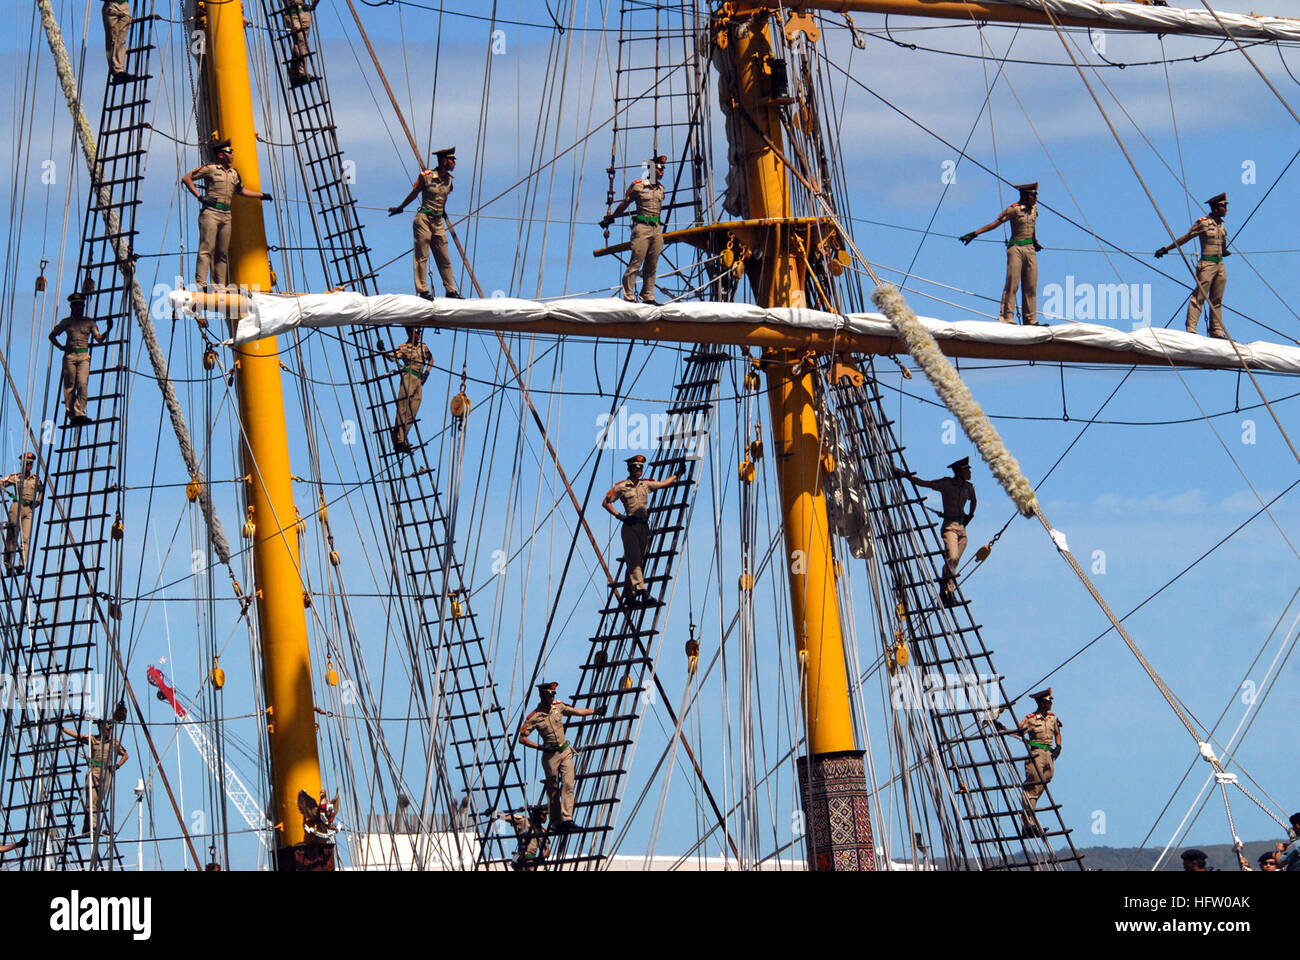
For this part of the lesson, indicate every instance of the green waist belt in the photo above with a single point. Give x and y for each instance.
(1020, 243)
(559, 749)
(1040, 746)
(216, 205)
(1206, 256)
(78, 349)
(433, 213)
(413, 373)
(649, 221)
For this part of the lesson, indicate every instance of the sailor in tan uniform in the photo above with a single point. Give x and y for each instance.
(647, 231)
(1211, 275)
(117, 24)
(76, 355)
(1022, 256)
(956, 491)
(530, 831)
(1042, 729)
(297, 20)
(557, 753)
(430, 225)
(18, 531)
(416, 361)
(634, 493)
(222, 183)
(106, 756)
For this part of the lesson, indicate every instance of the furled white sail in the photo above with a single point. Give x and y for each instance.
(268, 315)
(1140, 16)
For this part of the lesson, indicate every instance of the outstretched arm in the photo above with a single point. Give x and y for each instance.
(619, 210)
(1003, 217)
(394, 211)
(1177, 243)
(660, 484)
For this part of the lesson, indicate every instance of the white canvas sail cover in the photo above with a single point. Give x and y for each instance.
(269, 315)
(1138, 16)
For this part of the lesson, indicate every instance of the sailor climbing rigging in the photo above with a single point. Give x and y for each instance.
(416, 361)
(557, 753)
(1022, 255)
(1042, 729)
(1211, 274)
(956, 490)
(634, 493)
(18, 531)
(76, 355)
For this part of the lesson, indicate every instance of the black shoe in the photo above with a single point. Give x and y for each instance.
(565, 826)
(303, 81)
(651, 303)
(122, 77)
(454, 295)
(425, 296)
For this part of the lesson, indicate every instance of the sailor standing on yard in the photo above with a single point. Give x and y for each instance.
(647, 231)
(222, 182)
(1211, 274)
(956, 491)
(1022, 256)
(429, 229)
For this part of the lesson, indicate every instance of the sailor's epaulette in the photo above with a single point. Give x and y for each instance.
(425, 173)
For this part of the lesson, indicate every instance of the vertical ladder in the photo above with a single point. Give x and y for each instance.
(472, 748)
(72, 585)
(620, 662)
(983, 776)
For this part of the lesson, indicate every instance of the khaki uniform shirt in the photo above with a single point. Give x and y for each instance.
(635, 497)
(413, 356)
(26, 488)
(79, 333)
(1213, 234)
(550, 725)
(1023, 221)
(649, 198)
(103, 753)
(220, 182)
(956, 493)
(434, 187)
(1041, 728)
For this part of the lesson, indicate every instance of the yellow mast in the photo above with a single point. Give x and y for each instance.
(277, 584)
(832, 773)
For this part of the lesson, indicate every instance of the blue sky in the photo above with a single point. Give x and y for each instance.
(1149, 492)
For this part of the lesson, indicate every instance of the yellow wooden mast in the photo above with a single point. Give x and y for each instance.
(278, 588)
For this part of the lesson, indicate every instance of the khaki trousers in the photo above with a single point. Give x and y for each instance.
(1211, 278)
(299, 27)
(20, 522)
(408, 405)
(1022, 273)
(954, 545)
(214, 247)
(1038, 774)
(76, 379)
(117, 24)
(429, 234)
(636, 538)
(647, 244)
(99, 783)
(558, 765)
